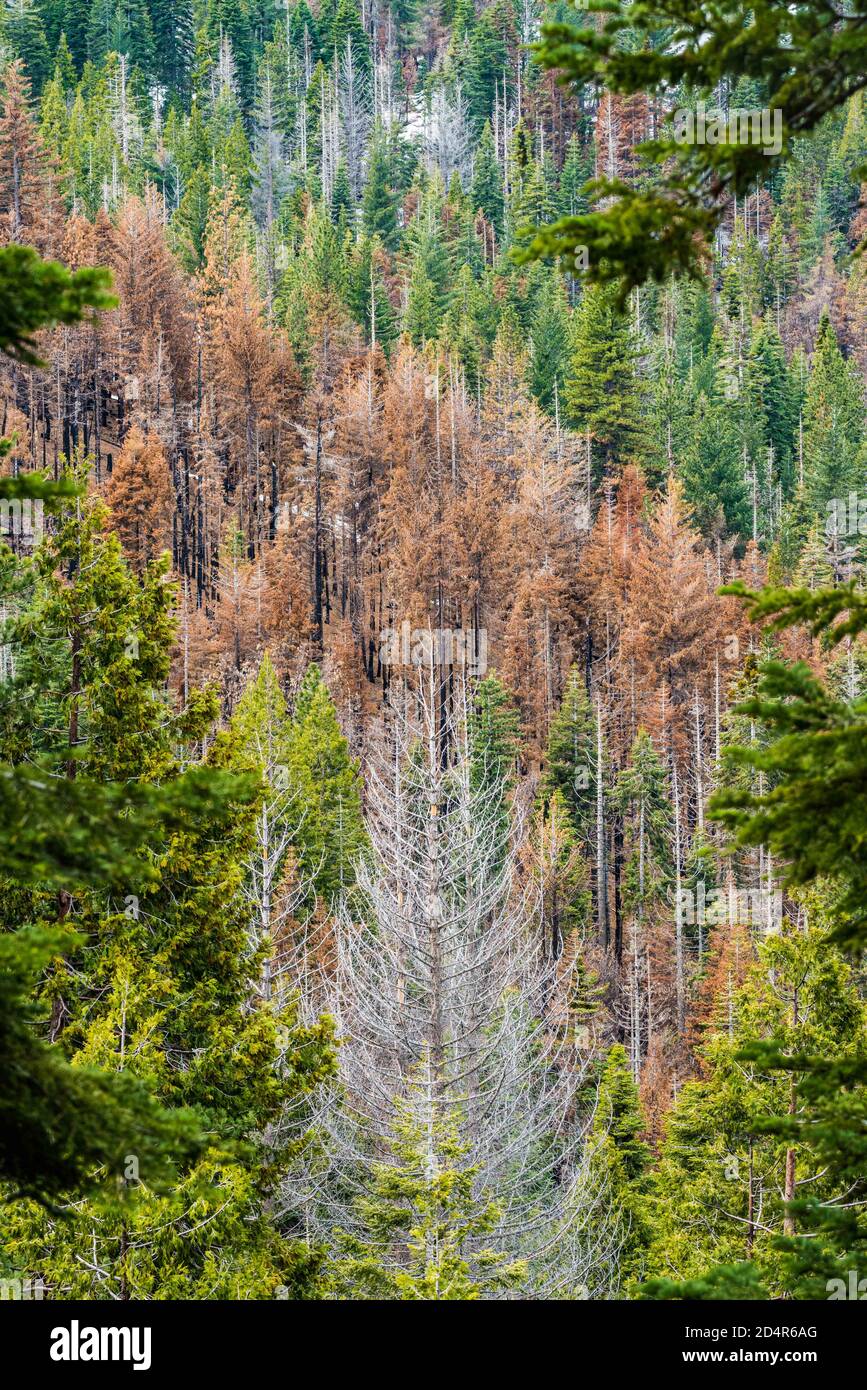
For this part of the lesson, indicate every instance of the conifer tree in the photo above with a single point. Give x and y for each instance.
(486, 189)
(601, 394)
(75, 22)
(635, 234)
(176, 931)
(424, 1226)
(833, 423)
(563, 879)
(141, 498)
(367, 296)
(30, 207)
(549, 353)
(325, 791)
(740, 1140)
(620, 1163)
(482, 68)
(570, 762)
(712, 471)
(771, 391)
(24, 31)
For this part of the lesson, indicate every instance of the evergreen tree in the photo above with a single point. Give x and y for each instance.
(601, 393)
(577, 170)
(641, 796)
(486, 189)
(76, 15)
(24, 31)
(770, 391)
(668, 224)
(833, 423)
(172, 24)
(570, 762)
(342, 201)
(424, 1223)
(379, 204)
(740, 1140)
(367, 296)
(324, 782)
(620, 1162)
(712, 470)
(482, 68)
(549, 345)
(179, 932)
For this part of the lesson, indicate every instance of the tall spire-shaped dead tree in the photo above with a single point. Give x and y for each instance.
(441, 963)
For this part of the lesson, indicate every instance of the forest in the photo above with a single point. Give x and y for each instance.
(433, 673)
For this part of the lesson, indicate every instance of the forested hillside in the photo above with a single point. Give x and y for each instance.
(445, 664)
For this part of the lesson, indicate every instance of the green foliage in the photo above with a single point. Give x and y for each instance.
(776, 1085)
(325, 786)
(813, 816)
(486, 189)
(620, 1161)
(549, 350)
(834, 416)
(36, 293)
(570, 763)
(601, 394)
(424, 1222)
(712, 470)
(680, 53)
(62, 1127)
(379, 205)
(642, 798)
(161, 994)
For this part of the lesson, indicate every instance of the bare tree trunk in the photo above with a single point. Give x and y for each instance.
(601, 860)
(678, 912)
(789, 1187)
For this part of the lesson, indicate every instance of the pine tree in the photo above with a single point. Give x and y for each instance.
(75, 24)
(172, 24)
(423, 1224)
(601, 394)
(549, 350)
(833, 423)
(30, 206)
(641, 795)
(325, 790)
(378, 208)
(61, 1126)
(141, 498)
(577, 169)
(176, 930)
(482, 68)
(712, 471)
(771, 392)
(563, 879)
(486, 189)
(742, 1138)
(342, 201)
(24, 31)
(570, 761)
(348, 28)
(668, 224)
(367, 296)
(620, 1162)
